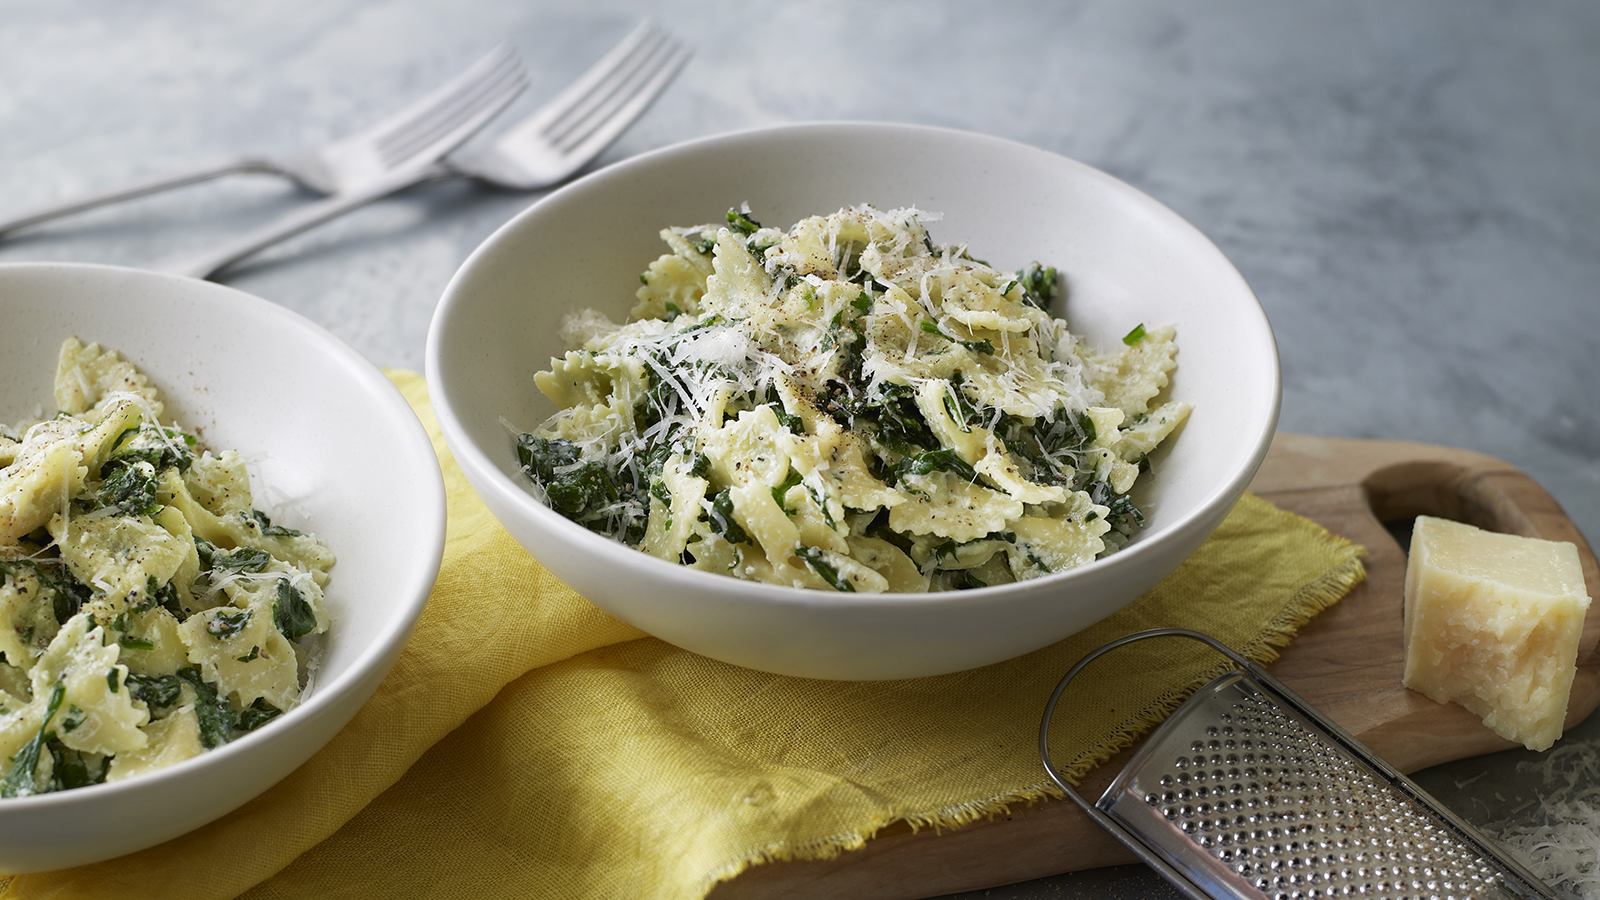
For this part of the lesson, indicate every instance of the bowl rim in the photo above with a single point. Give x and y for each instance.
(477, 464)
(413, 438)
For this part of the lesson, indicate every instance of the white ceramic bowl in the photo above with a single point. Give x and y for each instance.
(340, 454)
(1125, 260)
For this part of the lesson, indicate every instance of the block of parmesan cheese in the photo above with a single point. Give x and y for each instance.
(1492, 622)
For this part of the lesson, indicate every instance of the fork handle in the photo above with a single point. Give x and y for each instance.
(214, 261)
(135, 189)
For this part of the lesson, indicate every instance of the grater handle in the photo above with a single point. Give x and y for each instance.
(1177, 879)
(1061, 687)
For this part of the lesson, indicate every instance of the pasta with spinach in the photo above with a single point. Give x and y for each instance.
(148, 611)
(849, 406)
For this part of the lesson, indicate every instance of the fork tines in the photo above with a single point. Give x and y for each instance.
(450, 105)
(632, 74)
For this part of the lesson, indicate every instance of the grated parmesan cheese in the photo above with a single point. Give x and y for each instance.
(1560, 842)
(847, 406)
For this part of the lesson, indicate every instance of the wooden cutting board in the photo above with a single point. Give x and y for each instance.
(1347, 662)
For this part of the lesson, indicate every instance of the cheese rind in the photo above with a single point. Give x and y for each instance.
(1492, 622)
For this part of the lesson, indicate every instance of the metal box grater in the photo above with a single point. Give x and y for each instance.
(1247, 792)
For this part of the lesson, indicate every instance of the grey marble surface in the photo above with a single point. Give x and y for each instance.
(1413, 190)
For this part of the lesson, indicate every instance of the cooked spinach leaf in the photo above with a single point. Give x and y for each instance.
(1054, 447)
(722, 521)
(214, 712)
(1038, 284)
(160, 448)
(291, 613)
(227, 623)
(240, 559)
(826, 571)
(774, 402)
(1124, 515)
(67, 593)
(579, 490)
(742, 223)
(979, 346)
(164, 596)
(69, 769)
(157, 691)
(929, 461)
(258, 714)
(781, 492)
(130, 489)
(18, 780)
(899, 423)
(265, 526)
(701, 467)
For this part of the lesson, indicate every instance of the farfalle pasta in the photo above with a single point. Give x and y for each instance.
(849, 406)
(148, 611)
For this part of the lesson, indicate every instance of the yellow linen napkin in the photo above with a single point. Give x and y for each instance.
(529, 745)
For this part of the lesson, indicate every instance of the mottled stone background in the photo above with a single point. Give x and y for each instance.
(1413, 190)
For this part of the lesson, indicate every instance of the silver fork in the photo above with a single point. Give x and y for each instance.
(543, 150)
(350, 162)
(581, 121)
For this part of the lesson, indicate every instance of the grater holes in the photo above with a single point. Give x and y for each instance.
(1286, 809)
